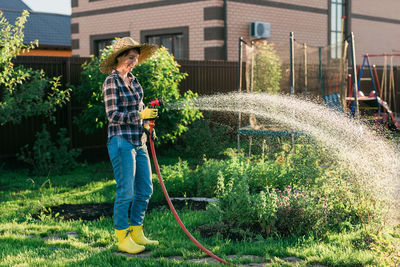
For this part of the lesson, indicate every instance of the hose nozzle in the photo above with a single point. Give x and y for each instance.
(157, 102)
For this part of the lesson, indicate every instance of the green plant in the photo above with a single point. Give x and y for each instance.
(159, 77)
(298, 168)
(272, 212)
(46, 156)
(23, 236)
(386, 247)
(267, 68)
(177, 179)
(24, 92)
(11, 40)
(204, 137)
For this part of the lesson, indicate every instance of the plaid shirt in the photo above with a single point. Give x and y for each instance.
(122, 104)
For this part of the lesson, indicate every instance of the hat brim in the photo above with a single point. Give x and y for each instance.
(109, 63)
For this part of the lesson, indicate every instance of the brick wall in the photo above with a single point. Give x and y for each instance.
(133, 21)
(308, 27)
(376, 24)
(381, 8)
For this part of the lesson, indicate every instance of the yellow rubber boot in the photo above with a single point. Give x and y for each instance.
(125, 242)
(137, 236)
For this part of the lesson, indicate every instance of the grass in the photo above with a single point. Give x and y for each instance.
(27, 241)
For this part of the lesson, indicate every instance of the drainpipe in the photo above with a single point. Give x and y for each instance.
(225, 8)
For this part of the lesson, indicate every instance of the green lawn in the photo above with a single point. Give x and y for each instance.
(28, 238)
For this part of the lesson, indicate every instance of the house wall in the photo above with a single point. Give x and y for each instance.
(376, 24)
(190, 14)
(309, 25)
(376, 27)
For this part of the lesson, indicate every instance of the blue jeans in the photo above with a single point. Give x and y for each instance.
(132, 172)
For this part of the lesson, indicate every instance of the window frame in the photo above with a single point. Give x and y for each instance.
(345, 12)
(144, 34)
(100, 37)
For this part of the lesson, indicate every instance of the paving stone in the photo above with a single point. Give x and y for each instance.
(144, 254)
(177, 258)
(208, 260)
(72, 234)
(292, 260)
(29, 236)
(253, 258)
(51, 237)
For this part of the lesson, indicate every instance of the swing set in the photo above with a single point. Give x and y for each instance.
(383, 94)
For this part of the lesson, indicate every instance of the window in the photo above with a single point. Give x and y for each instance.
(100, 41)
(100, 45)
(174, 39)
(173, 42)
(337, 27)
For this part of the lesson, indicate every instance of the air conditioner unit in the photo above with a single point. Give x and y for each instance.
(259, 30)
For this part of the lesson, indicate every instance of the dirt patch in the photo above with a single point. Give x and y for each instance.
(94, 211)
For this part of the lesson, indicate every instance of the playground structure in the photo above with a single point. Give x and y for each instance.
(325, 74)
(380, 96)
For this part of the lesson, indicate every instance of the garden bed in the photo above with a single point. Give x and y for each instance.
(95, 211)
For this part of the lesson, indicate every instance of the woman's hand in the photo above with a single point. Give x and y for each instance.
(148, 113)
(153, 135)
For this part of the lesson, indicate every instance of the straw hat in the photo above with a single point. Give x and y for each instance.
(121, 45)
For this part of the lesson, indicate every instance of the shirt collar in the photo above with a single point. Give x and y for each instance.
(130, 75)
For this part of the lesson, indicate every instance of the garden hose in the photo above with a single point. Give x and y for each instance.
(171, 206)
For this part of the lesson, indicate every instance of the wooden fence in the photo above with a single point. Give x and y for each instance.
(204, 78)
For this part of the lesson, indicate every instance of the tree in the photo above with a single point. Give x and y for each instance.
(24, 92)
(267, 68)
(159, 77)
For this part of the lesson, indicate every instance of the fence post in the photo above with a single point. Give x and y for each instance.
(69, 106)
(291, 38)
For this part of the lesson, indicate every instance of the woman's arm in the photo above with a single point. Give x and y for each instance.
(111, 99)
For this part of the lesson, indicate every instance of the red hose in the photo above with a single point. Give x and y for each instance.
(171, 206)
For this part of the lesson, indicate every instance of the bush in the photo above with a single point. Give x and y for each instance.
(159, 77)
(204, 138)
(24, 92)
(272, 212)
(177, 180)
(299, 168)
(267, 69)
(290, 195)
(48, 157)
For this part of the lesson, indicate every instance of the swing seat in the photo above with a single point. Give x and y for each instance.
(333, 101)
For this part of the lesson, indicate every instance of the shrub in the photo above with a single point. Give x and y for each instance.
(272, 212)
(204, 138)
(272, 198)
(48, 157)
(299, 168)
(267, 68)
(24, 92)
(159, 77)
(177, 180)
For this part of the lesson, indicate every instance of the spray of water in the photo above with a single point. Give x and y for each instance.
(373, 162)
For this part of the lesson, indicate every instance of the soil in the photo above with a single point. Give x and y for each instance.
(94, 211)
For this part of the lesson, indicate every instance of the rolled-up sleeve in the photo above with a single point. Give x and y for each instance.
(115, 114)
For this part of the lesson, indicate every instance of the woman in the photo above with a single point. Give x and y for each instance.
(123, 99)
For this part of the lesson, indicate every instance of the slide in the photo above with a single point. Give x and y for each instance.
(389, 111)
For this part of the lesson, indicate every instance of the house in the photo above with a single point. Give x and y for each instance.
(52, 30)
(209, 29)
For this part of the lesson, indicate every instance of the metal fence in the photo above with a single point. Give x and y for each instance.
(204, 78)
